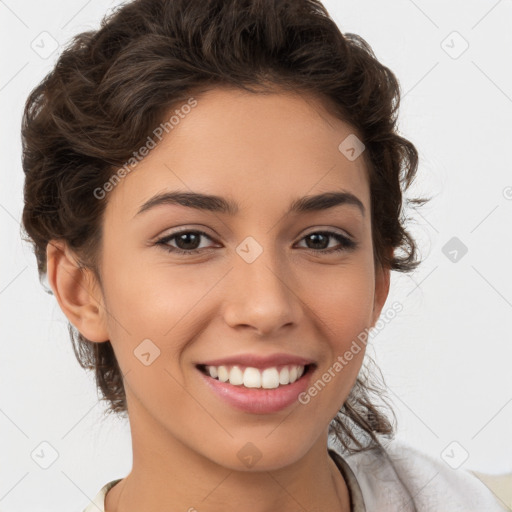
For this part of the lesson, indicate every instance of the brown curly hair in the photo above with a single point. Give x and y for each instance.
(111, 87)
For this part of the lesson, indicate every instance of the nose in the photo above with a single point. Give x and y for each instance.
(262, 295)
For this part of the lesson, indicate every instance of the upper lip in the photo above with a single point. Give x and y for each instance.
(259, 361)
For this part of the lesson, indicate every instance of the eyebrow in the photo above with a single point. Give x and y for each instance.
(219, 204)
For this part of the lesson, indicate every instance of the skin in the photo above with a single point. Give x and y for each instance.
(262, 151)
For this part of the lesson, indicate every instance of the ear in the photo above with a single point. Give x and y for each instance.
(382, 281)
(77, 292)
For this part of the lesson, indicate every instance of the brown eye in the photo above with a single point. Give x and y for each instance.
(186, 241)
(319, 241)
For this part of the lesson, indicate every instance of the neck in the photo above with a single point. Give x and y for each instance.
(169, 475)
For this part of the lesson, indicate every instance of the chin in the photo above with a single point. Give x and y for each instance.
(262, 455)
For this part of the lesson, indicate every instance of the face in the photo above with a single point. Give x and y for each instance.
(264, 287)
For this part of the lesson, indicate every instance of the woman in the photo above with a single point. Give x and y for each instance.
(214, 193)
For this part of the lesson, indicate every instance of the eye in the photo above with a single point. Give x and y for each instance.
(187, 242)
(320, 237)
(185, 239)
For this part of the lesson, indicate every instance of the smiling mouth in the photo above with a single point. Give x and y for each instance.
(249, 377)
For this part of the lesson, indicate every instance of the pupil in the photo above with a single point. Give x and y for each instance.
(184, 237)
(315, 237)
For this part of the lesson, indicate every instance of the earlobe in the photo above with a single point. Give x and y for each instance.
(382, 283)
(77, 292)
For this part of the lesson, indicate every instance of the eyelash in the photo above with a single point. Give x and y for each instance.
(346, 243)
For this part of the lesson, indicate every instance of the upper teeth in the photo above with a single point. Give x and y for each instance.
(268, 378)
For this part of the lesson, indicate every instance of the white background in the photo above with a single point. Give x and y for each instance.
(446, 357)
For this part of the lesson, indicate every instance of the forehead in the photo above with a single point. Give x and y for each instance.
(249, 147)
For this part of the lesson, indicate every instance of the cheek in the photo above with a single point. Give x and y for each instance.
(149, 297)
(343, 309)
(343, 306)
(343, 299)
(149, 325)
(154, 310)
(140, 307)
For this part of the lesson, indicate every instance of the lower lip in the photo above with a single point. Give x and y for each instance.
(259, 400)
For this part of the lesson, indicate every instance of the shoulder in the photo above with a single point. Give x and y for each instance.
(98, 503)
(398, 473)
(434, 482)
